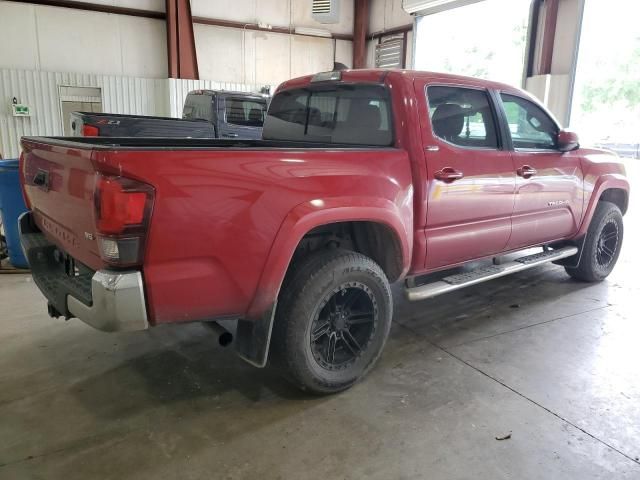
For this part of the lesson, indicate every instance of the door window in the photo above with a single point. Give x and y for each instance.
(531, 128)
(462, 116)
(245, 112)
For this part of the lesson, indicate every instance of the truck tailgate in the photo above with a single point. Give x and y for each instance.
(59, 186)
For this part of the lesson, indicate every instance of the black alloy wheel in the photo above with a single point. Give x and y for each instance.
(344, 325)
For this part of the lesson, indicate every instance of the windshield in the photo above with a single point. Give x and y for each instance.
(245, 112)
(351, 114)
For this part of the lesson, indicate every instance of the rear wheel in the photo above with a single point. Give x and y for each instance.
(602, 244)
(332, 320)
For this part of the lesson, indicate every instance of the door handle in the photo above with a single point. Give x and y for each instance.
(526, 171)
(230, 135)
(448, 175)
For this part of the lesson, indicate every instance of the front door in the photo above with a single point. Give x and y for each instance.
(470, 176)
(548, 201)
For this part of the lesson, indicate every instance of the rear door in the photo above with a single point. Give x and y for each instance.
(549, 194)
(470, 175)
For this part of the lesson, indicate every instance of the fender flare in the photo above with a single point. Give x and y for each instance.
(253, 334)
(604, 182)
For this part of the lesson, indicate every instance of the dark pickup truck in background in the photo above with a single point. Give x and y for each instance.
(206, 114)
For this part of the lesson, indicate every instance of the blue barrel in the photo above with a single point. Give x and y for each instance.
(11, 207)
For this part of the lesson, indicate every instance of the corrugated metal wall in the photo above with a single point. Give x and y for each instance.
(128, 95)
(40, 91)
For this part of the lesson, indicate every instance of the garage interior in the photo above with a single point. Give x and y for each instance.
(529, 376)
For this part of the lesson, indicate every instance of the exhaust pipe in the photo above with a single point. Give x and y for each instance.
(225, 337)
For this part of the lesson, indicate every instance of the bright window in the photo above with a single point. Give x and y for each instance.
(606, 99)
(485, 40)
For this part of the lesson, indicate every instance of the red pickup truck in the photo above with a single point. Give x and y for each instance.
(362, 178)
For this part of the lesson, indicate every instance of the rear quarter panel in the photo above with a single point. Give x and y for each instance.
(217, 214)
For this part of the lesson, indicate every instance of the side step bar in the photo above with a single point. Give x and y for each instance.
(482, 274)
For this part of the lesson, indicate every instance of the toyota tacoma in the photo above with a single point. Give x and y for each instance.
(363, 178)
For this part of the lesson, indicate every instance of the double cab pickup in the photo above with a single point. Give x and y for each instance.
(362, 178)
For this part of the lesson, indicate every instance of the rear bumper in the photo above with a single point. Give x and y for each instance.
(107, 300)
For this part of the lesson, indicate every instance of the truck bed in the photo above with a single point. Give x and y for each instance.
(117, 125)
(219, 207)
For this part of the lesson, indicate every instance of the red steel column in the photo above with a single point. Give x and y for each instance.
(181, 45)
(360, 27)
(548, 36)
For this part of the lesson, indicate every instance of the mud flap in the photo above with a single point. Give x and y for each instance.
(574, 261)
(254, 336)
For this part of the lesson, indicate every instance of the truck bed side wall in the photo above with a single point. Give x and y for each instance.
(217, 213)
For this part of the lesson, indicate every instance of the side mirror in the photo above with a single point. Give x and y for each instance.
(568, 141)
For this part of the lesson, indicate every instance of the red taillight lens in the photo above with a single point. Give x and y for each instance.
(90, 131)
(118, 208)
(123, 210)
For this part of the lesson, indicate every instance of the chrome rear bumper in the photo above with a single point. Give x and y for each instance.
(118, 302)
(107, 300)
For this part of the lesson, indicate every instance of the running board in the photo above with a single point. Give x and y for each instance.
(482, 274)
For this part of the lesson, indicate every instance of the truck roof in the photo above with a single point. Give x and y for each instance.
(231, 92)
(377, 75)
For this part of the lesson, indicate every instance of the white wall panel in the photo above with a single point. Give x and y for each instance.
(344, 52)
(17, 21)
(272, 57)
(386, 14)
(311, 55)
(39, 90)
(278, 13)
(69, 40)
(75, 40)
(248, 56)
(219, 52)
(143, 47)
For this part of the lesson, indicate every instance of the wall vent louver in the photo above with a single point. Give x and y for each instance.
(325, 11)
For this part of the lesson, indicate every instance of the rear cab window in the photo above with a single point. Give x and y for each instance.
(357, 114)
(462, 116)
(246, 112)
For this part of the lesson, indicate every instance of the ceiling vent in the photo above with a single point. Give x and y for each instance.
(325, 11)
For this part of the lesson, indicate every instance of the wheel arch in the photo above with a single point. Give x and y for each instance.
(617, 196)
(610, 187)
(379, 217)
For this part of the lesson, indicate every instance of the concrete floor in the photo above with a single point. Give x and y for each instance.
(549, 360)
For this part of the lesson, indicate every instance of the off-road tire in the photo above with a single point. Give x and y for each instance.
(607, 220)
(303, 303)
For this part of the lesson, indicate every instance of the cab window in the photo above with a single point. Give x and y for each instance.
(531, 128)
(245, 112)
(357, 114)
(462, 116)
(198, 106)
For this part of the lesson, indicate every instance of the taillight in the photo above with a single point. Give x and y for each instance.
(90, 131)
(23, 182)
(122, 210)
